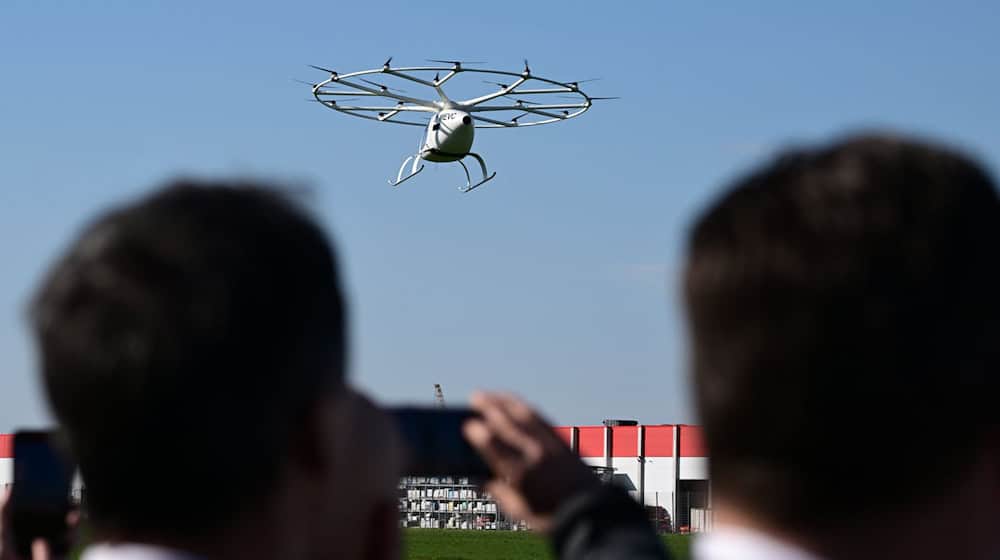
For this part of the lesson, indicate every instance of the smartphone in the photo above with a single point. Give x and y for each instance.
(40, 497)
(434, 442)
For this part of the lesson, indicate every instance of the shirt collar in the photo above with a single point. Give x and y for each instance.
(739, 543)
(133, 551)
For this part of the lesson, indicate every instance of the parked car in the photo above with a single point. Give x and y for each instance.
(660, 518)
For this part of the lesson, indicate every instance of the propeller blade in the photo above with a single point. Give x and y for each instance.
(578, 97)
(527, 69)
(578, 82)
(514, 120)
(332, 101)
(504, 86)
(386, 63)
(310, 84)
(383, 87)
(456, 62)
(437, 76)
(323, 69)
(526, 102)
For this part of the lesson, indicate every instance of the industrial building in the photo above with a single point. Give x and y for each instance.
(664, 466)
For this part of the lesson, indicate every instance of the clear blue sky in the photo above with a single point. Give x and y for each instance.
(556, 280)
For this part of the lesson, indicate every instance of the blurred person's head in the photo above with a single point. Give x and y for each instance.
(844, 307)
(193, 349)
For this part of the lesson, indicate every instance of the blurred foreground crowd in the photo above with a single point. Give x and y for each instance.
(842, 296)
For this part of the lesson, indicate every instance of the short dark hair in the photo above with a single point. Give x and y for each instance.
(182, 339)
(844, 306)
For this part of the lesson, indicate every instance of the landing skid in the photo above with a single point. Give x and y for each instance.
(417, 167)
(468, 179)
(413, 171)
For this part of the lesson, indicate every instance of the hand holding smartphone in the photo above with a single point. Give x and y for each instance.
(435, 445)
(39, 502)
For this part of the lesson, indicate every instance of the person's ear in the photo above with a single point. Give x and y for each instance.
(312, 444)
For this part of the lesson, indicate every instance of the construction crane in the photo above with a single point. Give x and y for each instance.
(438, 395)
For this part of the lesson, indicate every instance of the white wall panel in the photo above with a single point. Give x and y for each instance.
(694, 468)
(660, 482)
(627, 473)
(6, 471)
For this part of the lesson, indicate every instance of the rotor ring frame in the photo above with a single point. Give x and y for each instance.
(407, 104)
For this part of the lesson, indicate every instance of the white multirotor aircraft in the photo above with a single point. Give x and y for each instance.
(450, 129)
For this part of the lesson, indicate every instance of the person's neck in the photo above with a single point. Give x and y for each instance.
(259, 535)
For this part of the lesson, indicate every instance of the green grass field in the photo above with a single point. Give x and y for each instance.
(452, 544)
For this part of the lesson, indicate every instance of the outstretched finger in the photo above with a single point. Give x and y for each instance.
(73, 519)
(524, 416)
(39, 550)
(504, 461)
(499, 421)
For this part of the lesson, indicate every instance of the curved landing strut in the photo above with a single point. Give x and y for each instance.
(468, 180)
(413, 171)
(417, 167)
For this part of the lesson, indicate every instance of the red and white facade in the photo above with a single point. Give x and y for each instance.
(6, 460)
(660, 465)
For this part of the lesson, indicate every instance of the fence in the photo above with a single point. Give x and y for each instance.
(702, 520)
(694, 508)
